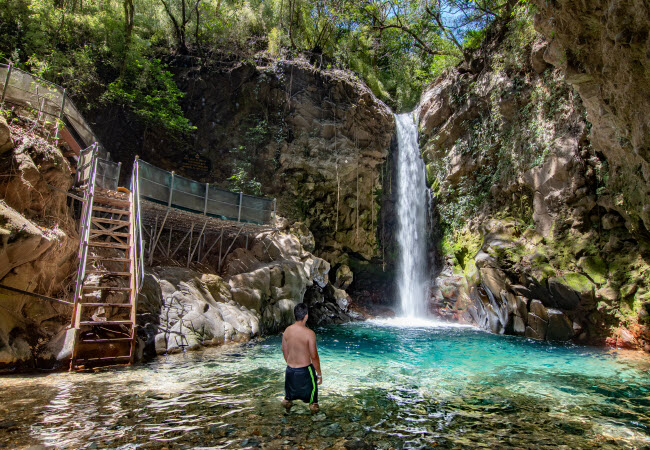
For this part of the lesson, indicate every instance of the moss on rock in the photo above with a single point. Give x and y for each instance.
(595, 268)
(578, 282)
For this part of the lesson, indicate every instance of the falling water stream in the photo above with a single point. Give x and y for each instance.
(412, 219)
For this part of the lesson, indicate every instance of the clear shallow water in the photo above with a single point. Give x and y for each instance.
(389, 383)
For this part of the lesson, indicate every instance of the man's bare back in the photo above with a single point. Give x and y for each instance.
(303, 364)
(299, 347)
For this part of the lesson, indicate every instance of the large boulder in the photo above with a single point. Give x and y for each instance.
(570, 290)
(36, 168)
(536, 328)
(6, 143)
(560, 327)
(344, 277)
(189, 315)
(33, 259)
(252, 289)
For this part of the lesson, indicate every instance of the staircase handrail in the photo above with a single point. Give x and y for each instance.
(84, 233)
(137, 222)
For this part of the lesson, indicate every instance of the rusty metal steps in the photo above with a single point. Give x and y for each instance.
(108, 258)
(116, 227)
(106, 288)
(93, 323)
(112, 305)
(104, 359)
(98, 232)
(104, 341)
(109, 245)
(122, 212)
(110, 221)
(108, 272)
(104, 200)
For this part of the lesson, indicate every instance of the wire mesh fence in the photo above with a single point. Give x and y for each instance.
(173, 190)
(23, 89)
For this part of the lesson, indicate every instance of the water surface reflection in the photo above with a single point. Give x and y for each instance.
(386, 386)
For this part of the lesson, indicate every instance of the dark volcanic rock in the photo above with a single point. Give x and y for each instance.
(536, 327)
(537, 308)
(563, 296)
(560, 327)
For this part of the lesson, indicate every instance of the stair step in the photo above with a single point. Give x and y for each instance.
(108, 272)
(105, 288)
(108, 245)
(105, 258)
(104, 341)
(93, 323)
(117, 305)
(110, 221)
(121, 212)
(96, 232)
(110, 201)
(105, 358)
(111, 193)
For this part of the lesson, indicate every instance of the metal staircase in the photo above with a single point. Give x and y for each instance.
(105, 299)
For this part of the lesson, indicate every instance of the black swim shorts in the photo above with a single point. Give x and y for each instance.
(300, 384)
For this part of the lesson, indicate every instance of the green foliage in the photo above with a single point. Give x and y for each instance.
(97, 51)
(521, 34)
(474, 39)
(151, 93)
(275, 42)
(241, 180)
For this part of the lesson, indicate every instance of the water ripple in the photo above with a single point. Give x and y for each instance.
(393, 386)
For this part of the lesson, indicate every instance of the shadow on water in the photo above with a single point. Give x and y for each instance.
(388, 387)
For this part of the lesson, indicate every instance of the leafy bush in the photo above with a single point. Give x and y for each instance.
(150, 91)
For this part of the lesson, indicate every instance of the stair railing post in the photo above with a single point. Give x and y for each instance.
(85, 231)
(117, 175)
(137, 184)
(273, 214)
(239, 213)
(6, 85)
(205, 205)
(56, 132)
(171, 190)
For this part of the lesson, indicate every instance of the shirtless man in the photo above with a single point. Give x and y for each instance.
(303, 365)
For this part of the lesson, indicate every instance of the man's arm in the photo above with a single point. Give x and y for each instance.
(284, 346)
(313, 353)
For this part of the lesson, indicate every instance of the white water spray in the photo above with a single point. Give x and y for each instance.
(412, 219)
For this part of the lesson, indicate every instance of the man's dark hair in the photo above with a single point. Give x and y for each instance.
(300, 311)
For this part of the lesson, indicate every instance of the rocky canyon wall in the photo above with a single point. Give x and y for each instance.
(39, 243)
(317, 139)
(535, 243)
(603, 49)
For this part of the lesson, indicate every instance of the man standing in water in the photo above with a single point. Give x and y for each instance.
(303, 365)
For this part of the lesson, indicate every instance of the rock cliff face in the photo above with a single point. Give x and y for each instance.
(534, 245)
(39, 244)
(602, 47)
(316, 139)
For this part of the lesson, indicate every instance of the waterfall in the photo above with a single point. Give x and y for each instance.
(412, 207)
